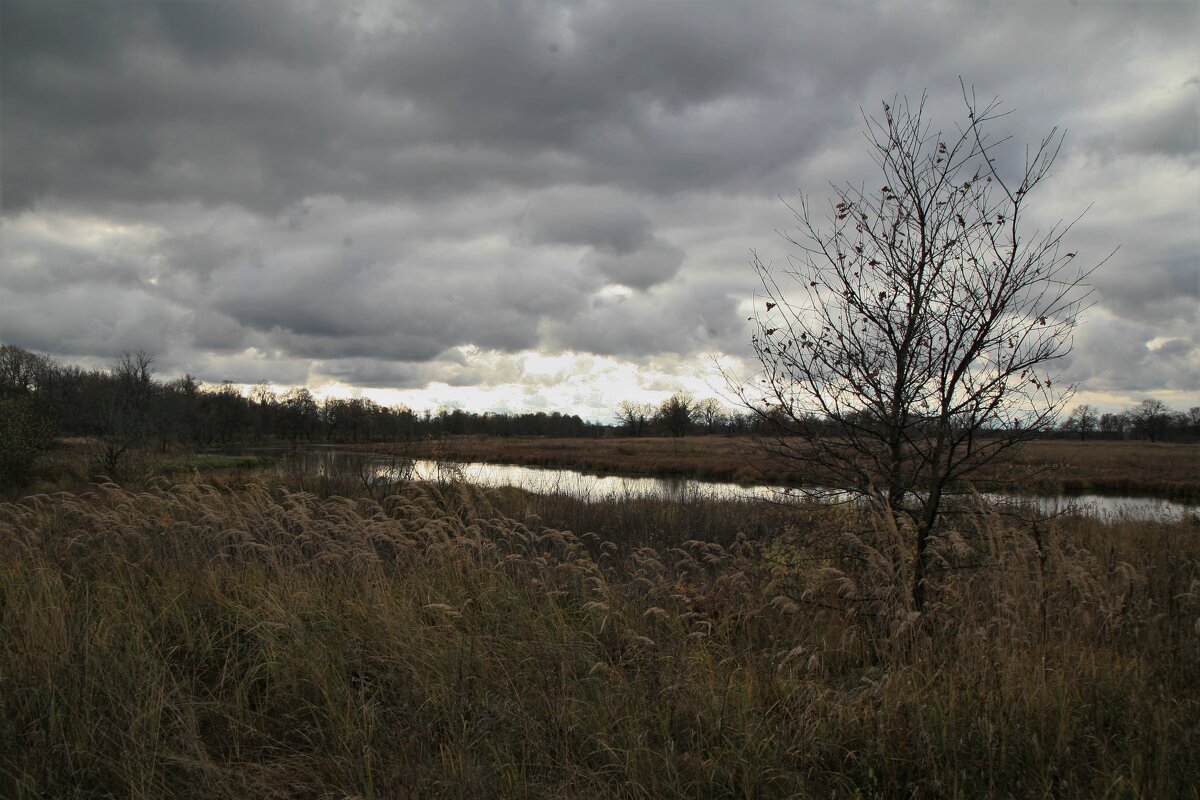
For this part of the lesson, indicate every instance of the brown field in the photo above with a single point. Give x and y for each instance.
(210, 629)
(1048, 466)
(336, 640)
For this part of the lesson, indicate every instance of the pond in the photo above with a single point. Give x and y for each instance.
(589, 486)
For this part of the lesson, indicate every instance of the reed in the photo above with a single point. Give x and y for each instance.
(436, 640)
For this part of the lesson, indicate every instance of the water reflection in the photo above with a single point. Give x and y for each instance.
(585, 486)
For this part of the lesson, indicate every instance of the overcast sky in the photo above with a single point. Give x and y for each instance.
(543, 205)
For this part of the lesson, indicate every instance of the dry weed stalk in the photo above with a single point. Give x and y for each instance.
(268, 642)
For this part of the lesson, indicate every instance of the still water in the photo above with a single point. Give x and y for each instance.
(587, 486)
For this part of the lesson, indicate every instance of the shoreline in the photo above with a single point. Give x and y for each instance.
(1060, 467)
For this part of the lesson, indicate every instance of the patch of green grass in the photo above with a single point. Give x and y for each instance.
(211, 462)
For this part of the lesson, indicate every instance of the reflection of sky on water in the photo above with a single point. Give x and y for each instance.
(598, 487)
(595, 487)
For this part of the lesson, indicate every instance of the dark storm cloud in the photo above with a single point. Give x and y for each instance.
(581, 220)
(317, 296)
(214, 101)
(624, 249)
(214, 331)
(360, 189)
(335, 285)
(265, 102)
(640, 269)
(450, 368)
(90, 320)
(261, 103)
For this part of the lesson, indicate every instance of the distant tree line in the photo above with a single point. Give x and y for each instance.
(1151, 420)
(126, 407)
(682, 415)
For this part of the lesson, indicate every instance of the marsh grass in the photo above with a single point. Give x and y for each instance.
(70, 464)
(436, 640)
(1043, 466)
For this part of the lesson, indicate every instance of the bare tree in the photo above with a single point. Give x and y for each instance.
(907, 342)
(299, 413)
(123, 413)
(675, 413)
(1115, 424)
(1082, 420)
(21, 371)
(710, 413)
(1150, 418)
(263, 401)
(635, 416)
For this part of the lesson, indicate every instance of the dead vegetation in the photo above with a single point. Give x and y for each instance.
(438, 640)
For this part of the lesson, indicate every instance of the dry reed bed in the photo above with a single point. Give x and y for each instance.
(189, 641)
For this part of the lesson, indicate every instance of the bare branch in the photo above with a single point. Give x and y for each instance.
(911, 338)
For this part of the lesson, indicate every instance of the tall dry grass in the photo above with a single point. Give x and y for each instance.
(437, 640)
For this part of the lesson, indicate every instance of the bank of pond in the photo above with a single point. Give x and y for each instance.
(380, 468)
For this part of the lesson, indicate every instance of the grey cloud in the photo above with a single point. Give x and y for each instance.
(494, 166)
(1116, 355)
(86, 33)
(1172, 348)
(450, 368)
(212, 330)
(244, 367)
(623, 247)
(1171, 130)
(672, 319)
(1164, 125)
(386, 312)
(1153, 290)
(490, 65)
(197, 102)
(301, 293)
(216, 31)
(198, 254)
(312, 295)
(580, 219)
(263, 103)
(640, 269)
(372, 373)
(90, 321)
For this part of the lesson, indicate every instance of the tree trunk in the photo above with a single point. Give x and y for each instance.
(918, 585)
(929, 517)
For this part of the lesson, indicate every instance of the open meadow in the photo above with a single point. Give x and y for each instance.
(317, 637)
(573, 401)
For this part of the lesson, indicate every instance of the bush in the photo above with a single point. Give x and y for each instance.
(24, 435)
